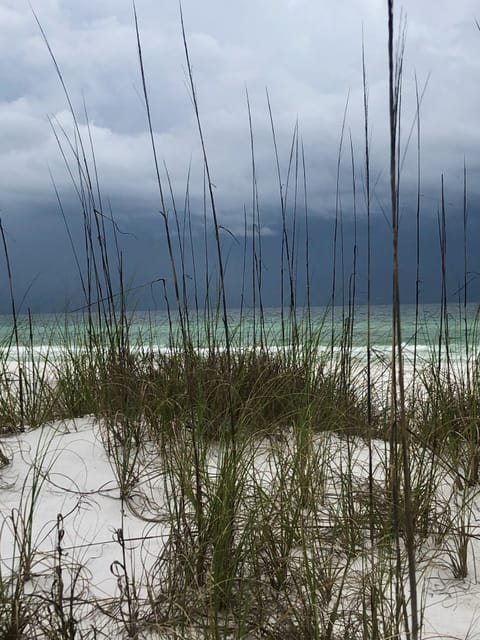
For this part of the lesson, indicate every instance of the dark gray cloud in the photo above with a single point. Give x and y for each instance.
(307, 53)
(46, 276)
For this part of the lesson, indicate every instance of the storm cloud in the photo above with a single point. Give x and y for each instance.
(308, 55)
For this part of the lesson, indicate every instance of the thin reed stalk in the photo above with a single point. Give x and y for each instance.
(399, 426)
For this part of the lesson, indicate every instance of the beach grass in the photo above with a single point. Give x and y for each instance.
(294, 491)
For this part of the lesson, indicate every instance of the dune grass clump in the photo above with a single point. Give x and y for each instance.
(448, 421)
(263, 390)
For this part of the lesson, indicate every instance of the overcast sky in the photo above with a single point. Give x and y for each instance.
(308, 54)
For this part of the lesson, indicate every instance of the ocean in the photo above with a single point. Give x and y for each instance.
(422, 329)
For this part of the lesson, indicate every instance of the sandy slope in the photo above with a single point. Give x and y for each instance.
(63, 468)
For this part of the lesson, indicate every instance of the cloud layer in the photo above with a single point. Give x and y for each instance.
(307, 54)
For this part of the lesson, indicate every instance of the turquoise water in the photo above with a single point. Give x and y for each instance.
(156, 330)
